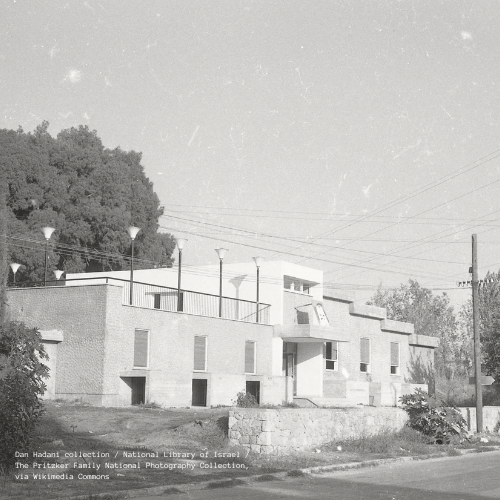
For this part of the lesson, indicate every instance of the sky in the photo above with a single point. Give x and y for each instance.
(356, 137)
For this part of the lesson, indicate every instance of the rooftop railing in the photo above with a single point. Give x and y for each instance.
(167, 299)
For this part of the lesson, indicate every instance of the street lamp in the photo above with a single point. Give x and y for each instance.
(14, 268)
(47, 232)
(132, 231)
(258, 261)
(221, 252)
(180, 301)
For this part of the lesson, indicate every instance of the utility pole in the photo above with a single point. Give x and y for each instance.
(477, 340)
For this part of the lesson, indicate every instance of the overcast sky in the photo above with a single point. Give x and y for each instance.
(324, 133)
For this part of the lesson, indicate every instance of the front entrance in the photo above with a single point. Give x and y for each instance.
(290, 363)
(138, 390)
(199, 389)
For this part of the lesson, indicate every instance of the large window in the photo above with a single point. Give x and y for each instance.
(365, 353)
(141, 349)
(395, 358)
(331, 356)
(200, 353)
(250, 354)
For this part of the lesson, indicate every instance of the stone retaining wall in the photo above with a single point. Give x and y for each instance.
(491, 418)
(279, 431)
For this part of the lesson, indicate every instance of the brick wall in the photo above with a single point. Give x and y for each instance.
(96, 358)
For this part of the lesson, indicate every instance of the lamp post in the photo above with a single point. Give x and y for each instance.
(258, 262)
(47, 232)
(180, 302)
(14, 268)
(132, 231)
(220, 252)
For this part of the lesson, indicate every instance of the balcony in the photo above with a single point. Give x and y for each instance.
(165, 299)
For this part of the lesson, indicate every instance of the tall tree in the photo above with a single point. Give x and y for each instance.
(90, 194)
(489, 323)
(431, 315)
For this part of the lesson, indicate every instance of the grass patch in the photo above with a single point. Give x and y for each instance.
(267, 477)
(296, 473)
(172, 491)
(225, 484)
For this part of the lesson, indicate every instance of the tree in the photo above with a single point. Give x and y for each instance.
(21, 386)
(489, 323)
(90, 194)
(431, 315)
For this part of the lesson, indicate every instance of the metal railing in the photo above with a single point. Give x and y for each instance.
(165, 298)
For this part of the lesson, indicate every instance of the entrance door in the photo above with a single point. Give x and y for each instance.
(199, 392)
(138, 390)
(290, 365)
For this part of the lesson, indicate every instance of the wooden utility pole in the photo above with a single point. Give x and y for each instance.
(477, 340)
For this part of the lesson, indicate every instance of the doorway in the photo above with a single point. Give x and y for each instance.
(138, 390)
(199, 388)
(253, 388)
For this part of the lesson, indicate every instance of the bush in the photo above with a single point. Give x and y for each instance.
(246, 400)
(432, 417)
(21, 385)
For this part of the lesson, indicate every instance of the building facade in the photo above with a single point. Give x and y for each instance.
(175, 350)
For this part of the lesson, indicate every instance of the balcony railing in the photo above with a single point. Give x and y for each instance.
(165, 298)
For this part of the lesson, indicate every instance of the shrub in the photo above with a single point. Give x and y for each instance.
(21, 385)
(246, 400)
(432, 417)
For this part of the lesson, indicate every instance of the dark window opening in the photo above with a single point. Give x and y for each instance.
(253, 388)
(157, 297)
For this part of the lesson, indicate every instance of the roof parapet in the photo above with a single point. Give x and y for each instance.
(367, 311)
(389, 325)
(423, 341)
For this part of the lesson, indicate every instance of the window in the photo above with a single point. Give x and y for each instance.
(200, 354)
(250, 352)
(394, 358)
(364, 365)
(141, 348)
(331, 356)
(157, 298)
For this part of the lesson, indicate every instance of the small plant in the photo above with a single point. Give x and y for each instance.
(246, 400)
(432, 417)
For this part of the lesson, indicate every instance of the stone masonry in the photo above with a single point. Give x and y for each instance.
(284, 430)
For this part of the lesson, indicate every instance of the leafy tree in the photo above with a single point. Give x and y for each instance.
(21, 386)
(489, 323)
(431, 315)
(90, 194)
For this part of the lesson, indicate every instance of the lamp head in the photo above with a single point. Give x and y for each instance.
(47, 232)
(221, 252)
(180, 243)
(15, 267)
(258, 261)
(132, 231)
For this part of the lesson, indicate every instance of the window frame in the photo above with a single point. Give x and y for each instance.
(148, 347)
(365, 367)
(332, 360)
(254, 343)
(205, 368)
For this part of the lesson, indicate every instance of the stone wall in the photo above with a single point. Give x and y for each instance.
(491, 418)
(279, 431)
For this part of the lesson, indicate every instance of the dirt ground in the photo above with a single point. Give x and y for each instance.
(84, 450)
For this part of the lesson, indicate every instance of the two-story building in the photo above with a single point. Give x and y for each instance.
(113, 344)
